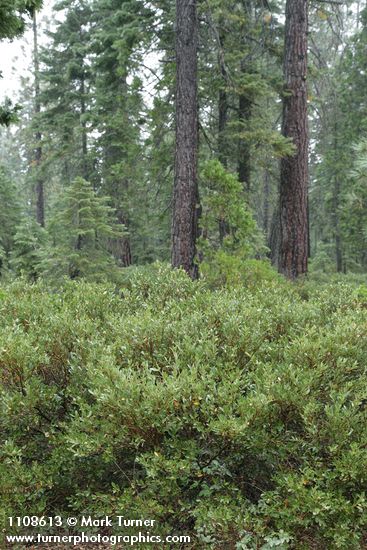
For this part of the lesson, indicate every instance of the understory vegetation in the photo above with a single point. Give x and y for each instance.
(235, 415)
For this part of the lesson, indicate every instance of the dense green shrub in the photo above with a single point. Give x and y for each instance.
(235, 270)
(237, 416)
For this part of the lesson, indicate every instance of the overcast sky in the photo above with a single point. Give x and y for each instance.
(16, 56)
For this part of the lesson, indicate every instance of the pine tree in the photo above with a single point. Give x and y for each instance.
(222, 198)
(29, 246)
(40, 200)
(117, 33)
(241, 64)
(338, 80)
(9, 214)
(66, 93)
(80, 230)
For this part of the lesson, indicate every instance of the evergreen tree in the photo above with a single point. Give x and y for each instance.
(338, 78)
(66, 94)
(106, 111)
(80, 230)
(29, 246)
(40, 200)
(9, 215)
(222, 198)
(117, 33)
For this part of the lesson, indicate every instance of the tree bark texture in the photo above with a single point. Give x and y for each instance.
(336, 223)
(222, 102)
(118, 187)
(266, 203)
(185, 192)
(336, 206)
(83, 127)
(222, 126)
(293, 254)
(40, 199)
(120, 247)
(244, 165)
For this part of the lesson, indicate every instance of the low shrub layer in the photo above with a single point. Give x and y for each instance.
(236, 416)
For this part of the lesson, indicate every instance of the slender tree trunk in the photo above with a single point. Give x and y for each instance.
(120, 248)
(308, 228)
(222, 127)
(185, 193)
(118, 190)
(222, 104)
(336, 223)
(84, 129)
(222, 150)
(244, 166)
(123, 245)
(266, 205)
(335, 216)
(40, 199)
(293, 254)
(274, 238)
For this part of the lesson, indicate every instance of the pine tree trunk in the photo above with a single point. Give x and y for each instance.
(118, 187)
(222, 128)
(40, 199)
(120, 248)
(185, 193)
(84, 128)
(335, 214)
(336, 223)
(266, 204)
(293, 254)
(274, 238)
(244, 166)
(222, 150)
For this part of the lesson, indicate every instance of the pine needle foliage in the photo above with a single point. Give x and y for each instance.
(80, 232)
(9, 214)
(30, 242)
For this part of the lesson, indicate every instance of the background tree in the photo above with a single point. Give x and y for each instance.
(117, 34)
(107, 80)
(29, 245)
(80, 230)
(40, 200)
(9, 214)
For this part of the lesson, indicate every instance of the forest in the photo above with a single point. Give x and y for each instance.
(183, 275)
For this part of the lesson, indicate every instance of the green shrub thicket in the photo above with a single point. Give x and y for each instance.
(237, 416)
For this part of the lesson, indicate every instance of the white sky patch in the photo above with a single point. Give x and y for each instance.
(16, 55)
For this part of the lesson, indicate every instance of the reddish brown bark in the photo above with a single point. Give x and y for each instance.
(293, 254)
(185, 193)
